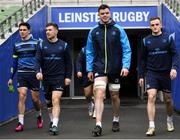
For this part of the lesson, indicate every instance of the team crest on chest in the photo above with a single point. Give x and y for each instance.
(97, 33)
(113, 33)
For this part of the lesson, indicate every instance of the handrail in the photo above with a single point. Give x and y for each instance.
(175, 6)
(12, 21)
(97, 2)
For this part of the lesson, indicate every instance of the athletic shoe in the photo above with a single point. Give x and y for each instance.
(54, 130)
(19, 127)
(115, 126)
(97, 131)
(150, 132)
(90, 108)
(39, 122)
(170, 127)
(50, 126)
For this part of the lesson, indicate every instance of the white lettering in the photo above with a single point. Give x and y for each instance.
(78, 17)
(85, 17)
(91, 16)
(60, 18)
(131, 16)
(116, 16)
(139, 16)
(67, 17)
(123, 18)
(96, 17)
(128, 16)
(72, 18)
(146, 14)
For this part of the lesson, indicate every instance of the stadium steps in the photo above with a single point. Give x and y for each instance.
(6, 11)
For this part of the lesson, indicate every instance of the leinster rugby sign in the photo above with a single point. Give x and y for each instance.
(87, 17)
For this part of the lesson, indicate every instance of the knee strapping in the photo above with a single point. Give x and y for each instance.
(99, 84)
(114, 87)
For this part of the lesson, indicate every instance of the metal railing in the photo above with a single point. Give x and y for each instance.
(12, 20)
(98, 2)
(175, 6)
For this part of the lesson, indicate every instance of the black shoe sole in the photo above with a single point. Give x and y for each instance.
(54, 133)
(115, 130)
(96, 134)
(150, 135)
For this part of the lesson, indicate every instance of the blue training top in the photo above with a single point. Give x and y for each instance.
(54, 59)
(108, 49)
(24, 53)
(158, 54)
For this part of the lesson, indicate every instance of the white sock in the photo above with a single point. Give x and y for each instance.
(38, 113)
(151, 124)
(116, 119)
(51, 117)
(169, 119)
(99, 123)
(21, 119)
(55, 122)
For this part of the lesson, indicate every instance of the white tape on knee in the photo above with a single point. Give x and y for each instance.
(99, 84)
(114, 87)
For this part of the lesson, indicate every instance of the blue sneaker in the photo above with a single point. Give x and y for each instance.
(50, 126)
(54, 130)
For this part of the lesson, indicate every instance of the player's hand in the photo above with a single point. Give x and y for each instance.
(173, 74)
(67, 81)
(90, 76)
(141, 82)
(124, 72)
(10, 82)
(79, 74)
(39, 76)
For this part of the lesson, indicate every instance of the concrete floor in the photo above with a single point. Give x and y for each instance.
(76, 124)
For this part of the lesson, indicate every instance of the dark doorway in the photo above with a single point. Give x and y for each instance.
(79, 43)
(129, 85)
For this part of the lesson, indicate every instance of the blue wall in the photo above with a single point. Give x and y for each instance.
(172, 25)
(9, 101)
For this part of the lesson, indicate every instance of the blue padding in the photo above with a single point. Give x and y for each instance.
(172, 25)
(9, 101)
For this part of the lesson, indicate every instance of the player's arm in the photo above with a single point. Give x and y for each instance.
(79, 62)
(38, 63)
(68, 65)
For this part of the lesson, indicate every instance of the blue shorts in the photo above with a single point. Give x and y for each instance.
(28, 79)
(112, 78)
(53, 85)
(159, 81)
(85, 81)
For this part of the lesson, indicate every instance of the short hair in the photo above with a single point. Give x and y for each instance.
(52, 24)
(154, 18)
(25, 24)
(103, 6)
